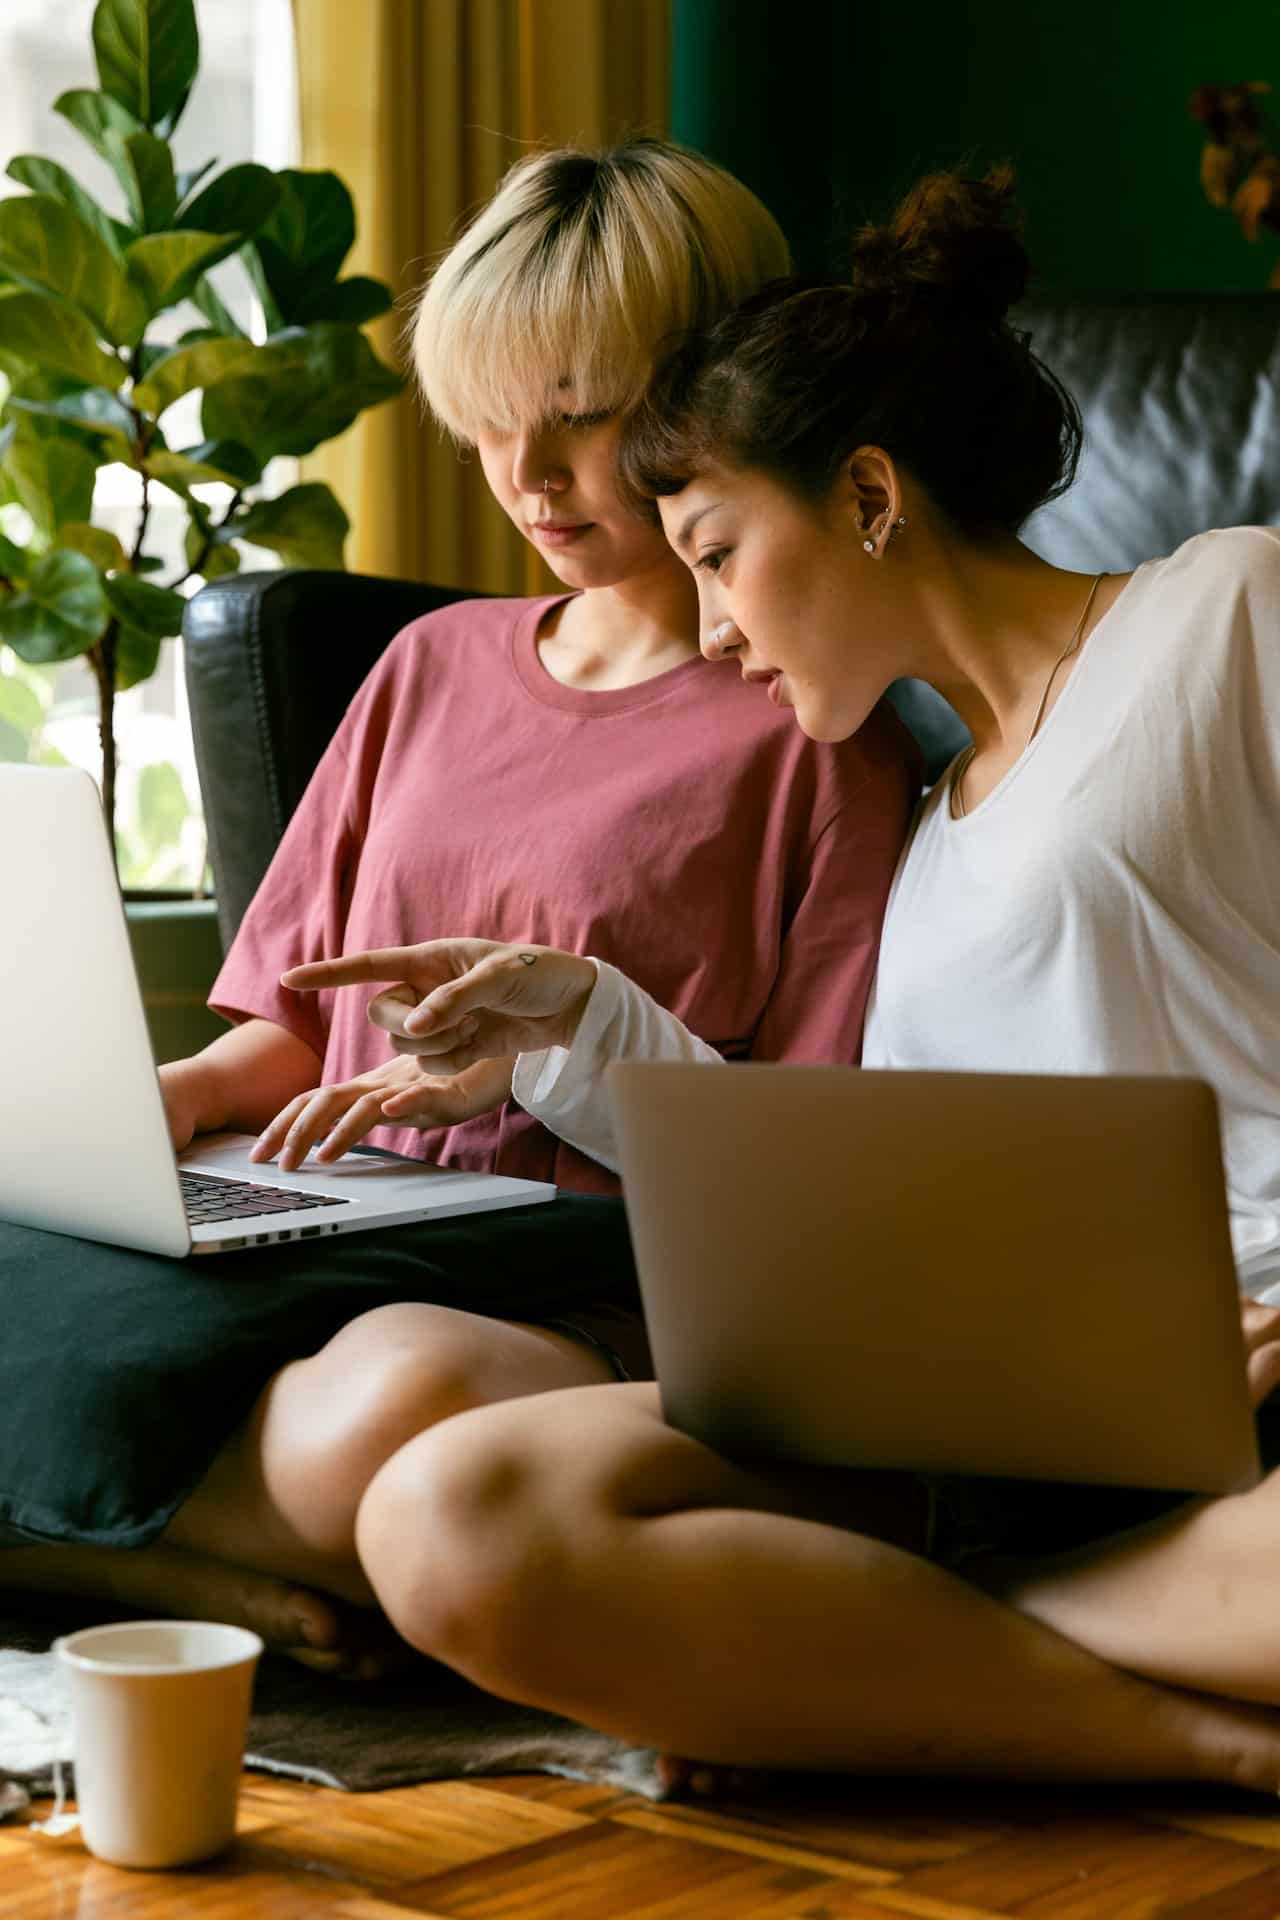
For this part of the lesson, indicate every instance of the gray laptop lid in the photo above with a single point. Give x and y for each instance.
(978, 1273)
(84, 1143)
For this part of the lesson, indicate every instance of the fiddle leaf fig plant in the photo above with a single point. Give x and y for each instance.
(89, 382)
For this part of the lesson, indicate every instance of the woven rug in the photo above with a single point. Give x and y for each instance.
(424, 1725)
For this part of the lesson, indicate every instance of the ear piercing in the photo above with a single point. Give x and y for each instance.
(869, 546)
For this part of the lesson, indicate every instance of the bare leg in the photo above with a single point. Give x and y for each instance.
(1189, 1599)
(267, 1539)
(582, 1557)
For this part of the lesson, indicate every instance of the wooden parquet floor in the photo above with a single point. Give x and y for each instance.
(533, 1848)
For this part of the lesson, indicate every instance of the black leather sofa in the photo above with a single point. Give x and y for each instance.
(1181, 402)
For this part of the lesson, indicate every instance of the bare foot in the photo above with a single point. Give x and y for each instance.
(320, 1632)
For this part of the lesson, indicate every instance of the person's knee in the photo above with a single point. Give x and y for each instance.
(336, 1417)
(482, 1541)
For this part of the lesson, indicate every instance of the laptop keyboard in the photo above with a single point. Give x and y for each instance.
(208, 1198)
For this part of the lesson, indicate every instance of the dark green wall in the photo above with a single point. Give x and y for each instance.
(829, 110)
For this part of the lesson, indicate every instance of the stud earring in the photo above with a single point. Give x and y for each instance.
(868, 546)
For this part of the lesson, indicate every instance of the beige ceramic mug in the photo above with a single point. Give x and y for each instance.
(160, 1709)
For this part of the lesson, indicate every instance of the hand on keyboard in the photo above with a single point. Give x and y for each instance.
(332, 1119)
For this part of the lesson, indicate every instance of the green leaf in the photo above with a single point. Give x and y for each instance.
(50, 474)
(137, 656)
(204, 296)
(14, 562)
(307, 238)
(258, 280)
(61, 614)
(46, 333)
(145, 355)
(238, 201)
(96, 543)
(164, 267)
(221, 460)
(350, 301)
(162, 804)
(213, 564)
(152, 610)
(188, 368)
(306, 526)
(103, 122)
(44, 244)
(94, 414)
(46, 176)
(20, 704)
(15, 747)
(304, 389)
(154, 196)
(147, 53)
(190, 179)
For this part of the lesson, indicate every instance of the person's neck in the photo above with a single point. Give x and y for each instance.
(619, 636)
(999, 620)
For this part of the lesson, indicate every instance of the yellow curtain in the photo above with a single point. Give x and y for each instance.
(421, 106)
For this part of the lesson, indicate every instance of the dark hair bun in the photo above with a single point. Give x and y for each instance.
(916, 356)
(953, 236)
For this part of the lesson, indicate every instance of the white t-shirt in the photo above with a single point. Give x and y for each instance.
(1112, 906)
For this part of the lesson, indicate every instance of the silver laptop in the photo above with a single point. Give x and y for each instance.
(951, 1272)
(84, 1143)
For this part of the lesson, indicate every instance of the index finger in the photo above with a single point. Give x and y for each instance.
(353, 969)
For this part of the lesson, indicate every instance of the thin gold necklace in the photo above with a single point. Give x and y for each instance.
(962, 765)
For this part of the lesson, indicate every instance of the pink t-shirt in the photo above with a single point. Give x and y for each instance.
(683, 829)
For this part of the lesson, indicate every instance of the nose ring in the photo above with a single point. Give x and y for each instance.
(546, 486)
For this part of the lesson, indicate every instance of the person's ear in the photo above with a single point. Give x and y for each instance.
(871, 492)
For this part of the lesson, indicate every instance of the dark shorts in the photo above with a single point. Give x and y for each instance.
(970, 1516)
(122, 1374)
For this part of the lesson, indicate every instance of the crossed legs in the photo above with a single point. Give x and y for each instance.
(268, 1538)
(582, 1557)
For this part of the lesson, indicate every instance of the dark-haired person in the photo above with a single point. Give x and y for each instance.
(1092, 887)
(566, 769)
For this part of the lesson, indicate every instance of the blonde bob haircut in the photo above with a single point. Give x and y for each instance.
(559, 293)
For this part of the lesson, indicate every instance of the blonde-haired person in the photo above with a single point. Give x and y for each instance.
(846, 469)
(566, 770)
(580, 266)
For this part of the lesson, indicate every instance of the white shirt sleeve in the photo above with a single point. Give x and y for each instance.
(563, 1087)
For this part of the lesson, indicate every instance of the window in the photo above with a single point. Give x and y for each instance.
(243, 107)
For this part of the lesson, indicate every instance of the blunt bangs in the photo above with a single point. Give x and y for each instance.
(562, 292)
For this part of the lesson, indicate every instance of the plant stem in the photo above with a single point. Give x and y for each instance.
(102, 659)
(197, 565)
(143, 517)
